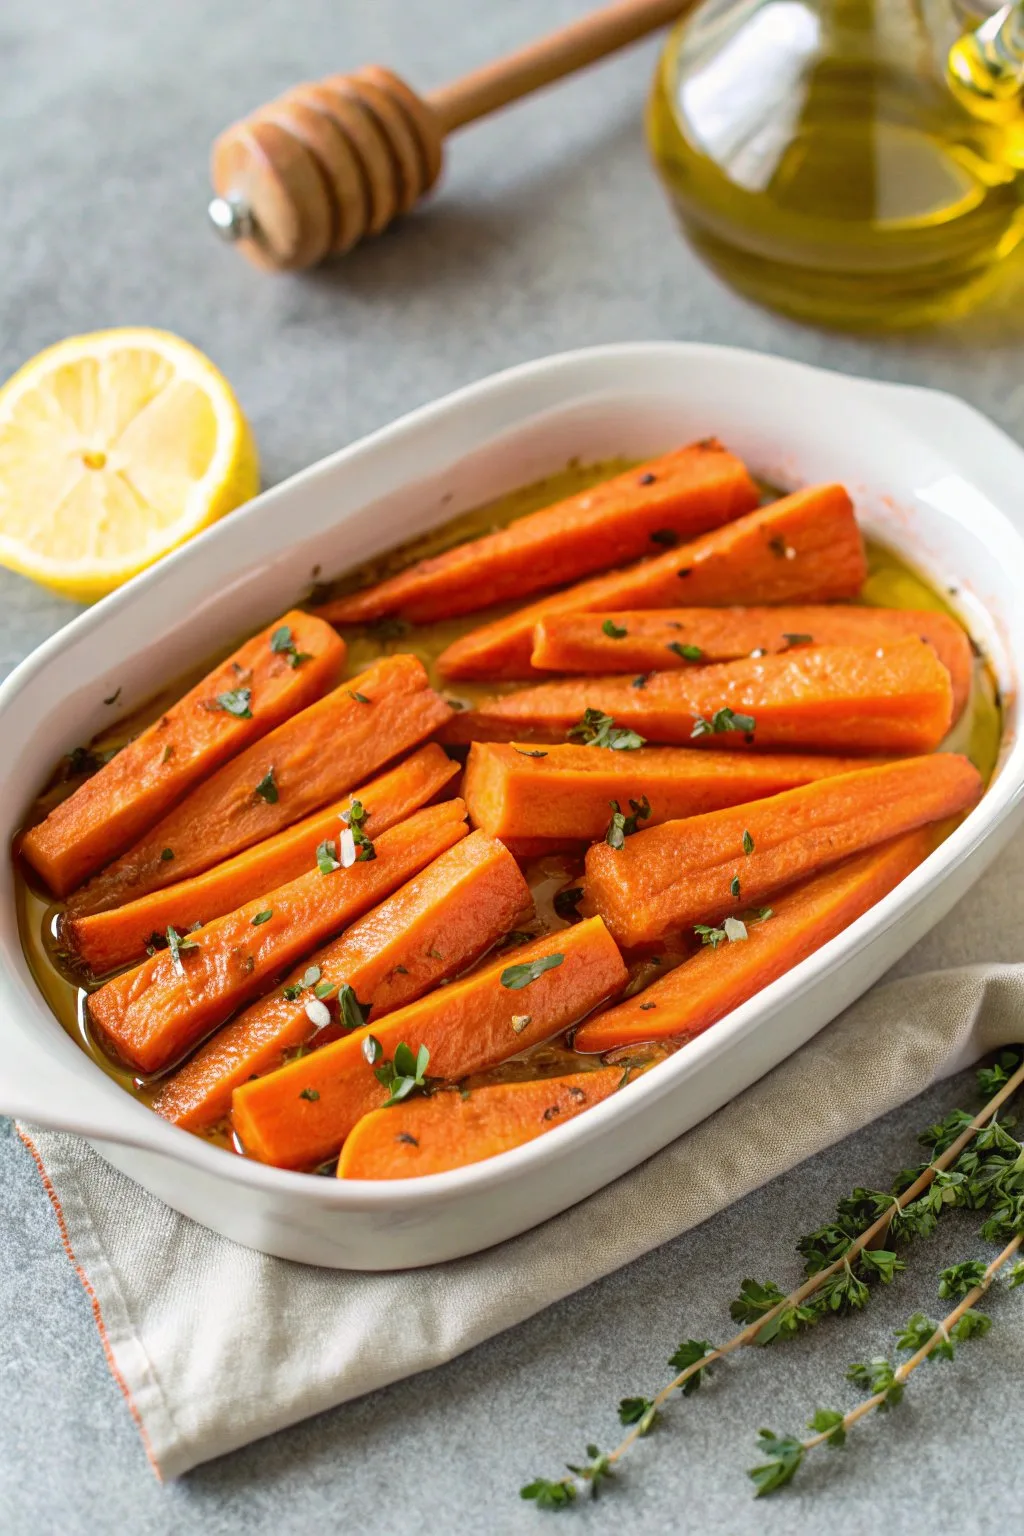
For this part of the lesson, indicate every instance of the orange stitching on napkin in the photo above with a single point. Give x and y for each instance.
(93, 1300)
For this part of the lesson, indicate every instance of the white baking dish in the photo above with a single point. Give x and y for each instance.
(929, 475)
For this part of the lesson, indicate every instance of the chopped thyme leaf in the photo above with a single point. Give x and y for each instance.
(614, 631)
(310, 1094)
(282, 644)
(372, 1049)
(646, 1007)
(352, 1013)
(360, 698)
(515, 977)
(327, 860)
(622, 826)
(792, 640)
(734, 885)
(113, 697)
(748, 843)
(721, 721)
(687, 652)
(647, 479)
(237, 702)
(524, 753)
(262, 917)
(167, 854)
(168, 754)
(266, 789)
(599, 730)
(666, 537)
(404, 1074)
(409, 1141)
(641, 681)
(687, 570)
(778, 547)
(710, 936)
(178, 945)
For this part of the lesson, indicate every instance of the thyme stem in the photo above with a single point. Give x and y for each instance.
(748, 1335)
(941, 1334)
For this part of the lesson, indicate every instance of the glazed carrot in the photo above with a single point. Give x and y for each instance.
(882, 700)
(240, 701)
(673, 497)
(435, 926)
(106, 940)
(564, 794)
(805, 548)
(300, 1115)
(422, 1136)
(705, 988)
(706, 867)
(152, 1015)
(672, 638)
(308, 762)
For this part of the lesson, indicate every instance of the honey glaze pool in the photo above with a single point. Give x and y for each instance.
(891, 583)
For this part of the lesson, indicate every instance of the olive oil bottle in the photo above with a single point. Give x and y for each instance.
(850, 162)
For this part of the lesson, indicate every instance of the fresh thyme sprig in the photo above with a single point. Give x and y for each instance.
(927, 1339)
(831, 1254)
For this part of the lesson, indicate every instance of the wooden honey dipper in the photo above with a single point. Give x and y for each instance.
(308, 175)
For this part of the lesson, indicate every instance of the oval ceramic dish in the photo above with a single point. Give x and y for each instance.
(929, 476)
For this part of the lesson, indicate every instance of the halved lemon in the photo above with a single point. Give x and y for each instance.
(114, 448)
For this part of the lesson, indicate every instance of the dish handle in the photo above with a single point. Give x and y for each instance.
(41, 1087)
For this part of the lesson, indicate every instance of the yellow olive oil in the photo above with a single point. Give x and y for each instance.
(819, 159)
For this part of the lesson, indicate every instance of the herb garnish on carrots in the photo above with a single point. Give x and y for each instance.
(404, 1074)
(515, 977)
(721, 721)
(596, 729)
(622, 826)
(266, 789)
(614, 631)
(282, 643)
(237, 702)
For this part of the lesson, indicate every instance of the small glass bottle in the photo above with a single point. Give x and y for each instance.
(850, 162)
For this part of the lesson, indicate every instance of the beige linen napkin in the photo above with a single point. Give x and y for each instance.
(179, 1307)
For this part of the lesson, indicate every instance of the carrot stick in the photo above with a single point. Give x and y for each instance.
(805, 548)
(299, 1116)
(707, 867)
(152, 1015)
(308, 762)
(421, 1136)
(435, 926)
(672, 497)
(240, 701)
(107, 940)
(673, 638)
(565, 793)
(882, 700)
(705, 988)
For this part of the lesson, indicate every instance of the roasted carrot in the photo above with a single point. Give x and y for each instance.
(671, 638)
(564, 793)
(449, 1130)
(882, 700)
(805, 548)
(723, 863)
(152, 1015)
(720, 977)
(435, 926)
(248, 695)
(300, 1115)
(308, 762)
(676, 496)
(106, 940)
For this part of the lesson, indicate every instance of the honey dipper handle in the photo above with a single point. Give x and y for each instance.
(549, 58)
